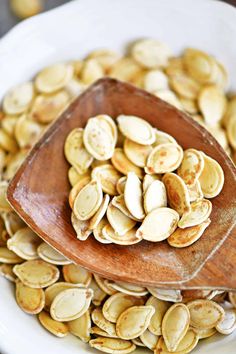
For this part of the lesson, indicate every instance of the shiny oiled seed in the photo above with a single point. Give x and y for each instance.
(112, 345)
(81, 327)
(75, 274)
(108, 177)
(120, 222)
(164, 158)
(30, 300)
(133, 196)
(53, 290)
(160, 307)
(211, 178)
(199, 213)
(175, 325)
(59, 329)
(71, 304)
(205, 314)
(191, 167)
(50, 255)
(134, 321)
(136, 129)
(155, 196)
(100, 321)
(9, 257)
(24, 243)
(37, 273)
(123, 164)
(81, 227)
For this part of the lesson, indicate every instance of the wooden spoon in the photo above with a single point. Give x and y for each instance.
(39, 194)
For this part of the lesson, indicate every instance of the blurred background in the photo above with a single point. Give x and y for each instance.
(12, 11)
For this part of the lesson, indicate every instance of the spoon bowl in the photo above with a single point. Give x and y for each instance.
(39, 194)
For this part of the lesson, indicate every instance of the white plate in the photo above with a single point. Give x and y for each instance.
(71, 31)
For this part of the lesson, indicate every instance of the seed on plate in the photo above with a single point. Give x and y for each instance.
(204, 333)
(119, 203)
(177, 193)
(175, 325)
(195, 191)
(30, 300)
(137, 153)
(71, 304)
(75, 152)
(50, 255)
(100, 321)
(108, 177)
(212, 103)
(120, 222)
(8, 124)
(158, 225)
(198, 64)
(18, 99)
(150, 53)
(169, 97)
(211, 178)
(75, 274)
(37, 273)
(149, 339)
(186, 237)
(166, 294)
(105, 57)
(120, 185)
(97, 231)
(54, 78)
(88, 200)
(134, 321)
(147, 181)
(8, 144)
(97, 217)
(164, 158)
(81, 227)
(53, 290)
(91, 71)
(14, 164)
(191, 167)
(26, 8)
(59, 329)
(125, 69)
(205, 314)
(98, 294)
(186, 345)
(103, 285)
(228, 323)
(136, 129)
(199, 212)
(123, 164)
(77, 188)
(118, 303)
(127, 288)
(4, 205)
(155, 80)
(12, 222)
(129, 238)
(81, 326)
(185, 86)
(133, 196)
(160, 307)
(189, 105)
(155, 196)
(112, 345)
(27, 132)
(9, 257)
(6, 270)
(24, 243)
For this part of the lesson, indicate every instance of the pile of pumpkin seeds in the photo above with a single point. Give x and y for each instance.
(113, 317)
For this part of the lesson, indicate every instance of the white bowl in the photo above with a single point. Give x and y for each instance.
(71, 31)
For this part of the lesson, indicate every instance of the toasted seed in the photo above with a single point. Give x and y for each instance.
(163, 138)
(127, 288)
(98, 138)
(200, 212)
(53, 78)
(81, 327)
(150, 53)
(133, 196)
(198, 64)
(88, 200)
(232, 298)
(53, 290)
(37, 273)
(14, 164)
(9, 257)
(119, 203)
(118, 303)
(205, 314)
(158, 225)
(129, 238)
(100, 332)
(147, 181)
(149, 340)
(24, 243)
(137, 153)
(155, 196)
(211, 178)
(204, 333)
(228, 324)
(18, 99)
(177, 193)
(7, 143)
(169, 97)
(98, 294)
(160, 307)
(120, 185)
(91, 71)
(97, 217)
(75, 152)
(186, 345)
(123, 164)
(13, 222)
(4, 205)
(155, 80)
(136, 129)
(186, 237)
(166, 294)
(164, 158)
(185, 86)
(77, 188)
(102, 283)
(120, 222)
(125, 69)
(27, 132)
(71, 304)
(75, 177)
(30, 300)
(134, 321)
(75, 274)
(6, 270)
(74, 88)
(175, 325)
(108, 177)
(191, 167)
(112, 345)
(50, 255)
(81, 227)
(105, 57)
(26, 8)
(138, 342)
(212, 104)
(189, 105)
(193, 294)
(97, 232)
(59, 329)
(99, 320)
(195, 191)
